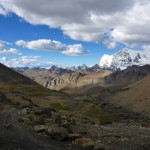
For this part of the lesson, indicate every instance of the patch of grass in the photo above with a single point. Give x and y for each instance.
(60, 106)
(30, 90)
(7, 88)
(99, 116)
(34, 91)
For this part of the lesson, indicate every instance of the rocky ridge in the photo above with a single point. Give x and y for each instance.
(128, 76)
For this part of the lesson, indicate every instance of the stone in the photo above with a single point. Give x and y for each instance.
(40, 128)
(57, 133)
(44, 111)
(86, 143)
(25, 111)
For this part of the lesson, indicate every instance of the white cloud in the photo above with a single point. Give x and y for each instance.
(49, 45)
(10, 51)
(30, 57)
(3, 59)
(3, 44)
(88, 20)
(3, 11)
(110, 44)
(42, 44)
(26, 61)
(3, 49)
(74, 50)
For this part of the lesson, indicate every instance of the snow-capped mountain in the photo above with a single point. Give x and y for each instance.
(125, 58)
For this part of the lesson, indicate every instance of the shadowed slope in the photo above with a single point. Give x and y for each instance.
(136, 97)
(9, 76)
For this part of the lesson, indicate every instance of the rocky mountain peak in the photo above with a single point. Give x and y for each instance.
(125, 58)
(83, 67)
(54, 68)
(96, 67)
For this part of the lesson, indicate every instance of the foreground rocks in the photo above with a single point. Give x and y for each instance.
(57, 133)
(40, 128)
(82, 133)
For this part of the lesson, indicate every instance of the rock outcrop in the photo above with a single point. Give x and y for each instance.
(75, 80)
(66, 80)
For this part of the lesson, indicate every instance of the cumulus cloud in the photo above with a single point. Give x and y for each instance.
(49, 45)
(26, 61)
(74, 50)
(3, 49)
(125, 21)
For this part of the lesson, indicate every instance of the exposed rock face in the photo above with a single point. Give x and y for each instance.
(83, 67)
(96, 67)
(73, 80)
(125, 58)
(70, 79)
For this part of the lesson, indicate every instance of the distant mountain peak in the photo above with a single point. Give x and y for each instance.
(125, 58)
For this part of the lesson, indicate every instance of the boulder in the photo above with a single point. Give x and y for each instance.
(25, 111)
(43, 111)
(40, 128)
(57, 133)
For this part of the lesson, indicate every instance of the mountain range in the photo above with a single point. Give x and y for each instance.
(118, 61)
(45, 76)
(59, 70)
(125, 58)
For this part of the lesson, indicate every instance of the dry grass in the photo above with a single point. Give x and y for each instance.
(97, 115)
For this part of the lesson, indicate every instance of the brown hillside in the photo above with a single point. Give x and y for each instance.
(9, 76)
(136, 97)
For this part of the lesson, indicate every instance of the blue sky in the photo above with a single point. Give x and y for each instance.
(42, 36)
(13, 28)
